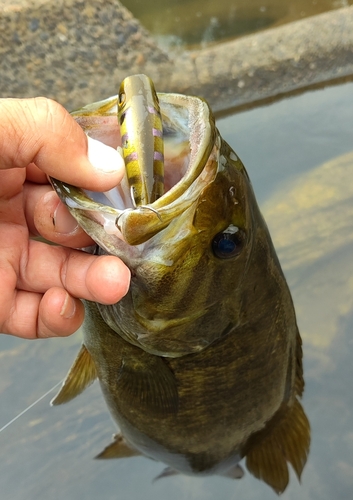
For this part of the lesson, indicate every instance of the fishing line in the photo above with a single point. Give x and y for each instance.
(30, 406)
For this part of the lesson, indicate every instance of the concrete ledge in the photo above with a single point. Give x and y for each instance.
(78, 52)
(276, 61)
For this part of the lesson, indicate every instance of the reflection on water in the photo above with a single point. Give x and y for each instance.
(200, 22)
(291, 149)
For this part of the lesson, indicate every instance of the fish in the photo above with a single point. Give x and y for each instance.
(200, 364)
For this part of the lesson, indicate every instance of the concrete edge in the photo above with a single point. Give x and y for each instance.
(267, 64)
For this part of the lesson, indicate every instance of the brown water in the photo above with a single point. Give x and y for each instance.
(180, 23)
(299, 155)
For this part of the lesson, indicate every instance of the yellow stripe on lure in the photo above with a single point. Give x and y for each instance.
(142, 138)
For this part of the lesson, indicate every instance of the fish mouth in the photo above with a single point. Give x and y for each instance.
(191, 151)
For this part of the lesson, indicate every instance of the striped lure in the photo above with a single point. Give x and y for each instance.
(142, 138)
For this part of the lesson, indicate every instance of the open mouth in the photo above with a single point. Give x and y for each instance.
(190, 162)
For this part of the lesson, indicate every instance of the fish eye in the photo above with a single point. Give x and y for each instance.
(228, 243)
(122, 98)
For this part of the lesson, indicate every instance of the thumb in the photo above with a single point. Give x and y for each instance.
(41, 131)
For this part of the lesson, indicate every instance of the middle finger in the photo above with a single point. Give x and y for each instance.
(47, 217)
(103, 279)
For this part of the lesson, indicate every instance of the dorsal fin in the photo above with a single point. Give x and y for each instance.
(285, 438)
(81, 374)
(119, 448)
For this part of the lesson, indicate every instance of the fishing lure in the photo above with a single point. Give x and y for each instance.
(142, 138)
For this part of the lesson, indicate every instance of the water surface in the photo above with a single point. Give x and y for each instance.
(181, 23)
(299, 155)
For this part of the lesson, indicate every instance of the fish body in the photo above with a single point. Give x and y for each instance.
(201, 362)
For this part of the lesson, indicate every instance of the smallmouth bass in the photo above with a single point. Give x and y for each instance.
(201, 362)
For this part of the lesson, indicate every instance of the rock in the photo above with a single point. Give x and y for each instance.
(57, 49)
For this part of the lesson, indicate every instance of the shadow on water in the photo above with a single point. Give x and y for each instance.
(298, 153)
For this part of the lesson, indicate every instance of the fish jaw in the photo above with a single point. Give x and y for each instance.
(189, 137)
(141, 233)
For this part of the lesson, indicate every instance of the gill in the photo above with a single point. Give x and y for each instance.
(141, 139)
(31, 406)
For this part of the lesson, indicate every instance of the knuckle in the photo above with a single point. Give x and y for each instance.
(47, 115)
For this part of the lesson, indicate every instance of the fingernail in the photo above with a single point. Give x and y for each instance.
(63, 221)
(104, 158)
(69, 307)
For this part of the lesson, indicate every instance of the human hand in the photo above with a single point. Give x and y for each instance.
(40, 284)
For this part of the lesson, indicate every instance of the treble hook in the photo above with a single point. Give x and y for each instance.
(146, 207)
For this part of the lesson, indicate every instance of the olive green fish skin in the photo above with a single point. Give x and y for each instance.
(201, 362)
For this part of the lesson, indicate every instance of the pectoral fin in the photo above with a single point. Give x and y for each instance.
(82, 373)
(119, 448)
(146, 380)
(286, 438)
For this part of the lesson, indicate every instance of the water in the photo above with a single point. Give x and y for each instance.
(299, 154)
(180, 23)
